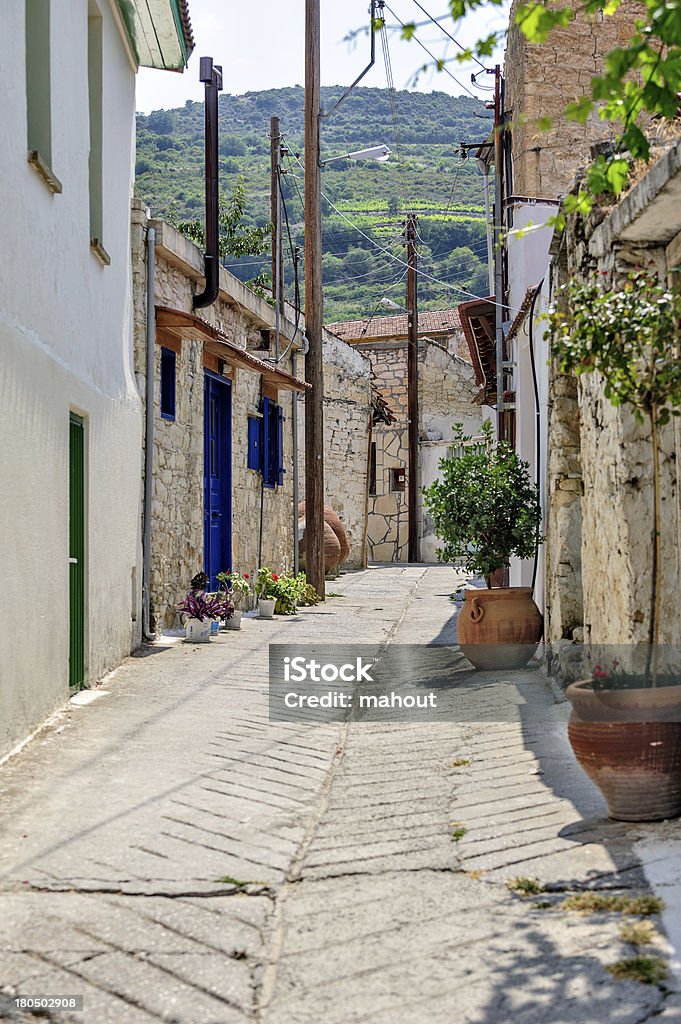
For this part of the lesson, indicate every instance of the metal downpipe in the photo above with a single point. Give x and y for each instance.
(149, 434)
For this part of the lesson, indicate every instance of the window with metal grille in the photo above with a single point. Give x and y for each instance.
(167, 384)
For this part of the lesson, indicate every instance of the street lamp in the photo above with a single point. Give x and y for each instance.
(378, 153)
(389, 304)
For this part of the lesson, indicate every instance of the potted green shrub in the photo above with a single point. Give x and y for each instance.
(625, 727)
(237, 588)
(485, 510)
(266, 590)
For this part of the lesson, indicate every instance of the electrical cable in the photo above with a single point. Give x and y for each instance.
(537, 418)
(448, 34)
(436, 60)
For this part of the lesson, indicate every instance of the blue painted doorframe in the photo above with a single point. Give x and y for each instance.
(217, 476)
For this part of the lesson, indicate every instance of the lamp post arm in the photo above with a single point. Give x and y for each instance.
(372, 61)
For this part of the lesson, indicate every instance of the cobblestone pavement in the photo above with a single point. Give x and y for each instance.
(172, 855)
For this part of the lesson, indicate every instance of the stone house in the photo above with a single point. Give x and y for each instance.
(223, 466)
(445, 390)
(70, 410)
(592, 461)
(537, 169)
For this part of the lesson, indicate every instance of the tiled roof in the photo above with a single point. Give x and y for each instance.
(186, 26)
(440, 321)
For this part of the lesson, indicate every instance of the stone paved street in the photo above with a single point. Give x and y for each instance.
(172, 855)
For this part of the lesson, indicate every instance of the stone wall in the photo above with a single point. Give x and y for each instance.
(610, 449)
(178, 492)
(540, 80)
(347, 410)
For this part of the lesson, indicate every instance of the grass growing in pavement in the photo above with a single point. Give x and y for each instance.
(593, 902)
(650, 970)
(637, 933)
(525, 886)
(333, 593)
(460, 762)
(458, 833)
(228, 880)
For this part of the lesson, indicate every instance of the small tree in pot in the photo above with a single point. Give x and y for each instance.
(486, 510)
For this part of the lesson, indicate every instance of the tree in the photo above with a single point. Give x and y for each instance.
(235, 239)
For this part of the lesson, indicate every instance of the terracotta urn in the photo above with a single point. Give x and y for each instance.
(499, 628)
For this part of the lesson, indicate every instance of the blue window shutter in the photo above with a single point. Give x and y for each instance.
(268, 452)
(254, 443)
(280, 445)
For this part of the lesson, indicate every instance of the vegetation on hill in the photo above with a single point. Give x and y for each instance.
(364, 203)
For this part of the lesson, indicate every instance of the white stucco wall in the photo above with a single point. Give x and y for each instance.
(528, 263)
(66, 339)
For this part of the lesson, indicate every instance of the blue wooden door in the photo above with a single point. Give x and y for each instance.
(217, 508)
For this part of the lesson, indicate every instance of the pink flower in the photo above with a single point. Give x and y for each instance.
(274, 576)
(599, 673)
(246, 576)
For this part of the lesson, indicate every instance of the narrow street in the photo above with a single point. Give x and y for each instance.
(171, 855)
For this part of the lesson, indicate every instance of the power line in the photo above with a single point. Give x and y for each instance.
(436, 21)
(438, 62)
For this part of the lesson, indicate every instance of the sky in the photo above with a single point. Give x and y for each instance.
(261, 46)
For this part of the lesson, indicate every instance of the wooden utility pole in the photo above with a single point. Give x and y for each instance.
(275, 208)
(498, 268)
(314, 373)
(412, 388)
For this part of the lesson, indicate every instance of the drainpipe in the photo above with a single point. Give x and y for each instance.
(149, 434)
(498, 268)
(211, 76)
(294, 425)
(484, 170)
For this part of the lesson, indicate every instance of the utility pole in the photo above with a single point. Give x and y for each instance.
(314, 373)
(498, 269)
(275, 214)
(412, 388)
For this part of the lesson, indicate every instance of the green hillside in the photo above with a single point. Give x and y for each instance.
(364, 203)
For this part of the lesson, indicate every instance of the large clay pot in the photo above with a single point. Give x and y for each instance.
(336, 547)
(629, 744)
(499, 628)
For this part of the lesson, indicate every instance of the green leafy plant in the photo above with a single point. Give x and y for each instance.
(484, 507)
(649, 970)
(286, 589)
(631, 336)
(235, 237)
(525, 886)
(236, 585)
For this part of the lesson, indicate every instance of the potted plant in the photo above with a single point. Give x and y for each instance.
(485, 509)
(201, 609)
(266, 590)
(625, 727)
(237, 588)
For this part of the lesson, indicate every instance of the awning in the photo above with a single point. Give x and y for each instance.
(478, 320)
(185, 326)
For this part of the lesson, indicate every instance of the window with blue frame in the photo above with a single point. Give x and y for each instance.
(254, 443)
(168, 384)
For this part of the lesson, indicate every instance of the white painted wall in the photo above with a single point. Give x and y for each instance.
(528, 262)
(66, 342)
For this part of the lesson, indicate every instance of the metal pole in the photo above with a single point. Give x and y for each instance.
(412, 388)
(149, 434)
(498, 269)
(314, 373)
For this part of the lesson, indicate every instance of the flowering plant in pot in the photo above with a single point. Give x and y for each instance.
(237, 588)
(200, 609)
(625, 728)
(266, 591)
(485, 510)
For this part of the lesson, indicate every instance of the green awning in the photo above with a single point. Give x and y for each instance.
(160, 32)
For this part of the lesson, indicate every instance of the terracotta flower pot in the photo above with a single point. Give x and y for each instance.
(629, 744)
(499, 628)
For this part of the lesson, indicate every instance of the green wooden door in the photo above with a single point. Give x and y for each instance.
(76, 553)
